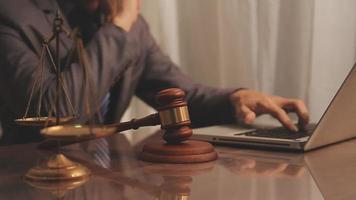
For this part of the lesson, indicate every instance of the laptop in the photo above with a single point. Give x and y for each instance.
(338, 123)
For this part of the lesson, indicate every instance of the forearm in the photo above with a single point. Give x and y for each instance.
(207, 105)
(210, 106)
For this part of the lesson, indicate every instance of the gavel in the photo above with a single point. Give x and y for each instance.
(173, 116)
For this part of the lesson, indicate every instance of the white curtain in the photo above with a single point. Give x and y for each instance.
(294, 48)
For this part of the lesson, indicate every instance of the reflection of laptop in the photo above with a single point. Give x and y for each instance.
(338, 123)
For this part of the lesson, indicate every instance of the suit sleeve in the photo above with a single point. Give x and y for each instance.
(19, 66)
(207, 105)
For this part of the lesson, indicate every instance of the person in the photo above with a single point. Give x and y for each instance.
(124, 61)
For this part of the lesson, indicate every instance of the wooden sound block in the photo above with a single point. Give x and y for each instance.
(186, 152)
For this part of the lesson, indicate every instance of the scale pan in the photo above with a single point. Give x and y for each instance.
(43, 121)
(77, 132)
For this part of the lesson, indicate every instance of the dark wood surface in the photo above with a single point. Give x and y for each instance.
(328, 173)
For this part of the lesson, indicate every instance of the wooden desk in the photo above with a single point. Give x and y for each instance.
(328, 173)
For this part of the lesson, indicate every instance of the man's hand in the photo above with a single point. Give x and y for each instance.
(249, 104)
(125, 13)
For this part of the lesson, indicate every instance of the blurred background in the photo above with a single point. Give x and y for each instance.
(293, 48)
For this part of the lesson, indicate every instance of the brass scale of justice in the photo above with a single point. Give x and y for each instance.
(172, 115)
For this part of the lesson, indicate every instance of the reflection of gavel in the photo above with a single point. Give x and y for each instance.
(176, 181)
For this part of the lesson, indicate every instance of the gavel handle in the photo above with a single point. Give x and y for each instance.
(150, 120)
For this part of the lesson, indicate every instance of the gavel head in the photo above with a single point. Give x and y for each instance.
(174, 115)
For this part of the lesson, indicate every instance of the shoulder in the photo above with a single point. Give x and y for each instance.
(18, 12)
(141, 22)
(15, 11)
(25, 20)
(141, 28)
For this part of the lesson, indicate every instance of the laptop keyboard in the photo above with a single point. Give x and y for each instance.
(282, 133)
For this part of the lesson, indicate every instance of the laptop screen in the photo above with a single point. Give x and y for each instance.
(323, 88)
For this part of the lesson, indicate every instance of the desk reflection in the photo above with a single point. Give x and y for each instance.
(237, 174)
(252, 166)
(264, 175)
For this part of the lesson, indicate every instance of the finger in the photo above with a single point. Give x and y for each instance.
(249, 115)
(282, 116)
(246, 114)
(301, 110)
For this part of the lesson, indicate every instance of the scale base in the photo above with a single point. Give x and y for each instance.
(57, 168)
